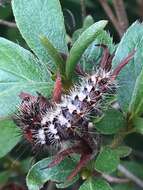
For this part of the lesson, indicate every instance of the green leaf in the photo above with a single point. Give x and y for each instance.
(26, 164)
(136, 104)
(107, 160)
(53, 53)
(19, 71)
(111, 122)
(93, 53)
(128, 186)
(138, 124)
(95, 184)
(9, 136)
(35, 18)
(3, 13)
(86, 38)
(37, 175)
(123, 151)
(88, 21)
(127, 79)
(67, 183)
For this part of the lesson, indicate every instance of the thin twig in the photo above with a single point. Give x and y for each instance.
(111, 16)
(121, 14)
(7, 23)
(112, 179)
(83, 9)
(130, 176)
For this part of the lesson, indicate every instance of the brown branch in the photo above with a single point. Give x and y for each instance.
(83, 9)
(109, 178)
(130, 176)
(7, 23)
(140, 8)
(111, 16)
(121, 15)
(112, 179)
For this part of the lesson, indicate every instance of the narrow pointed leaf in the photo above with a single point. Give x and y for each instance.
(93, 53)
(52, 51)
(86, 38)
(88, 21)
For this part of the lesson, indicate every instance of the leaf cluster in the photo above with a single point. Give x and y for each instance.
(41, 24)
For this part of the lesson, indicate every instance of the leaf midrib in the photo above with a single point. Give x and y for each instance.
(13, 61)
(15, 74)
(12, 88)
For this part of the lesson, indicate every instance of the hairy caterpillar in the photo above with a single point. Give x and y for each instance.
(47, 124)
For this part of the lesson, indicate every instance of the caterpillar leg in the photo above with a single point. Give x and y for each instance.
(85, 158)
(82, 149)
(61, 155)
